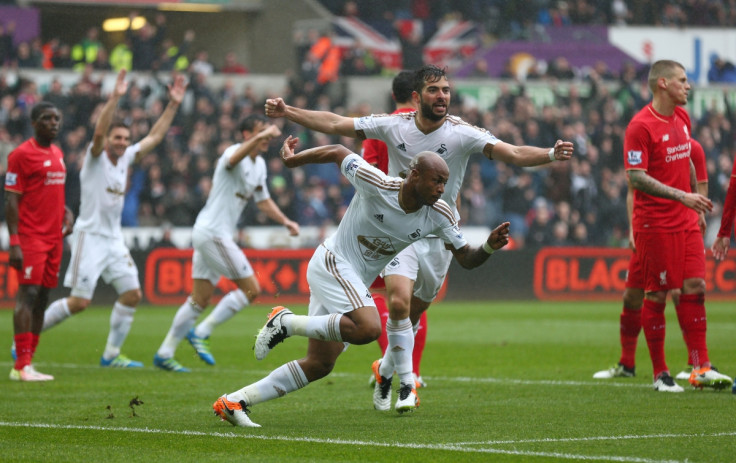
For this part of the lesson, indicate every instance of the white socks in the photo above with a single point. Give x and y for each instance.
(184, 320)
(286, 378)
(397, 358)
(120, 321)
(322, 327)
(232, 303)
(56, 313)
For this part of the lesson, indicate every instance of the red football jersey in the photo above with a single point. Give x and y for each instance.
(375, 151)
(38, 174)
(660, 146)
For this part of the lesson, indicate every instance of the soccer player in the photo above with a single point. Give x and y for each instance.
(633, 297)
(98, 248)
(723, 240)
(376, 153)
(665, 222)
(413, 281)
(240, 175)
(385, 216)
(37, 220)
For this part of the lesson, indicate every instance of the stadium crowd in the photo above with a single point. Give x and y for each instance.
(576, 203)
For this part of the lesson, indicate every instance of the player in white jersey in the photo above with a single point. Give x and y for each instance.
(240, 174)
(416, 276)
(386, 215)
(98, 249)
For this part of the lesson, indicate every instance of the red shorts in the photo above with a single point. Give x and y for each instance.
(667, 259)
(41, 262)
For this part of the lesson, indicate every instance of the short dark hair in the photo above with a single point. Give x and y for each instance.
(427, 73)
(403, 86)
(40, 108)
(117, 124)
(249, 122)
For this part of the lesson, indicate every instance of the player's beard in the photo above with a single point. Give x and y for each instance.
(428, 113)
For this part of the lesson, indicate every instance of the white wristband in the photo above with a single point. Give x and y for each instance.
(551, 154)
(487, 248)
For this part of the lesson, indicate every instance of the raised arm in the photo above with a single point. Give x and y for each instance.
(471, 257)
(645, 183)
(321, 121)
(108, 110)
(247, 147)
(159, 129)
(318, 155)
(528, 156)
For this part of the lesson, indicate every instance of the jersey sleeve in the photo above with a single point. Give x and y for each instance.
(697, 155)
(373, 126)
(447, 227)
(636, 141)
(14, 174)
(729, 206)
(366, 179)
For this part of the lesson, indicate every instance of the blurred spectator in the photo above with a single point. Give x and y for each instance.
(26, 57)
(7, 48)
(173, 57)
(85, 51)
(232, 66)
(146, 42)
(62, 59)
(121, 56)
(201, 64)
(721, 70)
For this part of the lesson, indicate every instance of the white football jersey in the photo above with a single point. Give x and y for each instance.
(455, 141)
(375, 228)
(231, 191)
(103, 192)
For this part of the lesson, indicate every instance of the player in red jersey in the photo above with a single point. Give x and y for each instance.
(37, 219)
(667, 219)
(723, 241)
(376, 153)
(633, 297)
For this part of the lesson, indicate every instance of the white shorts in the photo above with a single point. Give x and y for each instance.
(334, 285)
(426, 262)
(95, 256)
(216, 256)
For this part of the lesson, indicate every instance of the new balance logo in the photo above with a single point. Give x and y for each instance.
(379, 217)
(402, 147)
(46, 163)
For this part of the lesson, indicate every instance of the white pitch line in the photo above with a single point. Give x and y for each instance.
(459, 379)
(598, 438)
(441, 447)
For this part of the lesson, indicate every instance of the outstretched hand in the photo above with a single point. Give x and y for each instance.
(178, 89)
(499, 237)
(121, 85)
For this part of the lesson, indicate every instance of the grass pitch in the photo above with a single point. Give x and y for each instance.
(507, 382)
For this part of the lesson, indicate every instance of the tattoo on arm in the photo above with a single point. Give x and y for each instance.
(641, 181)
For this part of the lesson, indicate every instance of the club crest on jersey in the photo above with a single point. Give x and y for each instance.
(634, 157)
(402, 147)
(666, 137)
(416, 235)
(442, 149)
(351, 168)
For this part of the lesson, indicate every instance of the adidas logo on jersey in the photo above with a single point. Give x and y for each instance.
(402, 147)
(379, 217)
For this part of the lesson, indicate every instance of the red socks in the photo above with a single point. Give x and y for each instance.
(629, 330)
(419, 341)
(25, 346)
(691, 315)
(653, 322)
